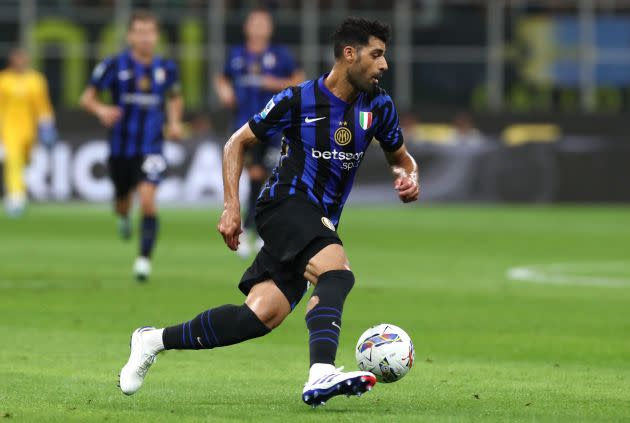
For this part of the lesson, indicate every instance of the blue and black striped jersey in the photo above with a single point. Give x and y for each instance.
(140, 90)
(325, 140)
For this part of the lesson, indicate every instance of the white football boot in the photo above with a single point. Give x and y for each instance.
(142, 268)
(146, 344)
(323, 385)
(15, 205)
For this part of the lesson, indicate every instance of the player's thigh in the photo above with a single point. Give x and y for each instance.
(268, 303)
(146, 192)
(330, 257)
(13, 148)
(120, 173)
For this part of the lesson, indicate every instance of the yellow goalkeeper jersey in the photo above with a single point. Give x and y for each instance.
(24, 102)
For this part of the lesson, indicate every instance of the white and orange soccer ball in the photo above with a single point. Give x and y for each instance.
(385, 350)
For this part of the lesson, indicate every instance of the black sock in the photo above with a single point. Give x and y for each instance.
(324, 320)
(254, 191)
(148, 235)
(217, 327)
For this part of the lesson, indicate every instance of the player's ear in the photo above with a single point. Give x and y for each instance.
(350, 54)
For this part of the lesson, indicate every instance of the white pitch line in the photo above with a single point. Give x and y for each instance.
(565, 274)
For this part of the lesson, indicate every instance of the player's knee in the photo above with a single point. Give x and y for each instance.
(331, 257)
(147, 205)
(269, 316)
(270, 313)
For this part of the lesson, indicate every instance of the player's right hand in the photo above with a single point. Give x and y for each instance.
(109, 115)
(230, 227)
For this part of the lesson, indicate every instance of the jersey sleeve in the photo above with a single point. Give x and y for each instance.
(172, 85)
(275, 117)
(388, 133)
(103, 75)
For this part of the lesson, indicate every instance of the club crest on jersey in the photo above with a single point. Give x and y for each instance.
(343, 136)
(144, 84)
(365, 120)
(327, 223)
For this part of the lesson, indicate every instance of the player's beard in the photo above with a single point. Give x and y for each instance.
(359, 83)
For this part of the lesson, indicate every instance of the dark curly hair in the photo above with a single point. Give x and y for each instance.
(357, 31)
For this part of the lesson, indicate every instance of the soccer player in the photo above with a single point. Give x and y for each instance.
(25, 114)
(328, 124)
(254, 72)
(145, 92)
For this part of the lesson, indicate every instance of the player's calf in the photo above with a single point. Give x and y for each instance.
(218, 327)
(323, 318)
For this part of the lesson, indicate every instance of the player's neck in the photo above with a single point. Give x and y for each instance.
(18, 70)
(256, 46)
(145, 59)
(339, 85)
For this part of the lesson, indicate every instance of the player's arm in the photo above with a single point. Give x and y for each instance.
(225, 90)
(405, 171)
(174, 112)
(275, 117)
(404, 167)
(233, 153)
(174, 103)
(289, 67)
(108, 115)
(47, 133)
(273, 83)
(102, 79)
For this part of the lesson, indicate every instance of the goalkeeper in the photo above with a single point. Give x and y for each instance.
(25, 115)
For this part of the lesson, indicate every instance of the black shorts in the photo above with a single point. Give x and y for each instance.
(294, 230)
(127, 172)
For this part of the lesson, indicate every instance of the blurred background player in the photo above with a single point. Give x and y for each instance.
(253, 73)
(142, 85)
(25, 114)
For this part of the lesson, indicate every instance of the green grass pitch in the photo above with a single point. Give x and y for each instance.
(487, 348)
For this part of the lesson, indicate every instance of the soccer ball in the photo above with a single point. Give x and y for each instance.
(385, 350)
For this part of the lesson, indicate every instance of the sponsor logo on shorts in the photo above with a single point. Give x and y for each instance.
(327, 223)
(153, 167)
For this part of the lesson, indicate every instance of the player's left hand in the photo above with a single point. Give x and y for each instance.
(175, 131)
(408, 188)
(230, 227)
(47, 134)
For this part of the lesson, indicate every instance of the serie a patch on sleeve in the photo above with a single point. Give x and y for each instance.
(270, 105)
